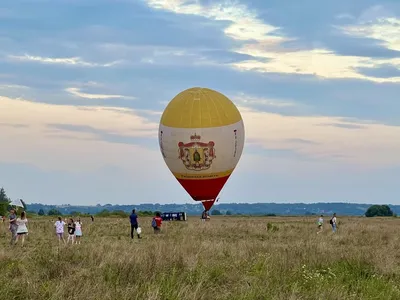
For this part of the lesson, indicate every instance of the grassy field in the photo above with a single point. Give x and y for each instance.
(226, 258)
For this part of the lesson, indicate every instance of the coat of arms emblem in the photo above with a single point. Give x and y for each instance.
(196, 155)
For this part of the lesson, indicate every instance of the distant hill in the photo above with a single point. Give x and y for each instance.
(292, 209)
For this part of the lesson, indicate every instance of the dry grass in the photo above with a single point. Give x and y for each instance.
(226, 258)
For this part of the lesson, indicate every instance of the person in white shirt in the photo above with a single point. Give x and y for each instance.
(22, 229)
(78, 231)
(334, 223)
(59, 225)
(320, 223)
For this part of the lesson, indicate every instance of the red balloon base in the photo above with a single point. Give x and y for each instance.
(204, 189)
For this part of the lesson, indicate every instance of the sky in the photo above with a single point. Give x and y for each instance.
(83, 84)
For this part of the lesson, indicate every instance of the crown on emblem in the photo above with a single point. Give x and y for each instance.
(195, 138)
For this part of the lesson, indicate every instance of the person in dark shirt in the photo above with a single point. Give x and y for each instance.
(71, 231)
(134, 223)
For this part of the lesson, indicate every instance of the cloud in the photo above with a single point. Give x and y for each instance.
(244, 25)
(78, 93)
(69, 61)
(245, 100)
(385, 30)
(13, 87)
(342, 125)
(72, 138)
(321, 63)
(269, 48)
(166, 55)
(28, 135)
(367, 145)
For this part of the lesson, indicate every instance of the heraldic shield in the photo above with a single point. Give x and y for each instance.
(196, 155)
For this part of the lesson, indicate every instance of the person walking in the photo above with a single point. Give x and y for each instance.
(320, 224)
(156, 223)
(22, 229)
(59, 225)
(13, 226)
(78, 231)
(333, 222)
(71, 231)
(134, 223)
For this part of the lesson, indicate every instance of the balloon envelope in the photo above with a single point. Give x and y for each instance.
(201, 138)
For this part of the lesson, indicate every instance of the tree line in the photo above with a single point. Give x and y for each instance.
(372, 211)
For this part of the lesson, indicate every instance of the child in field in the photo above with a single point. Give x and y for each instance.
(22, 229)
(78, 231)
(156, 223)
(320, 223)
(71, 231)
(59, 225)
(333, 222)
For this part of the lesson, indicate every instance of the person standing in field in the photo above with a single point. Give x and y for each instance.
(13, 226)
(204, 216)
(22, 229)
(320, 224)
(333, 222)
(71, 231)
(156, 223)
(59, 225)
(78, 231)
(134, 223)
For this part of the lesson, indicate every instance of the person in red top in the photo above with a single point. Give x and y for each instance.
(156, 223)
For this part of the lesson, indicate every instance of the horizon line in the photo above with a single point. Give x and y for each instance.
(217, 204)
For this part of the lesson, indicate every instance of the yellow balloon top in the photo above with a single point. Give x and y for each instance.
(200, 108)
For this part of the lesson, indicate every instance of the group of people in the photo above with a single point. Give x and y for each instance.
(134, 220)
(332, 222)
(74, 230)
(18, 227)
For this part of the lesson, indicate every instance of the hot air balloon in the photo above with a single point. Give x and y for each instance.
(201, 138)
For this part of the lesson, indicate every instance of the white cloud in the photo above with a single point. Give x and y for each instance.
(245, 100)
(72, 61)
(327, 138)
(32, 138)
(13, 87)
(155, 55)
(318, 62)
(386, 30)
(78, 93)
(245, 25)
(37, 133)
(265, 44)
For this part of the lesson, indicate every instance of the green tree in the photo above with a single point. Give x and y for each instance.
(216, 212)
(54, 212)
(41, 212)
(4, 202)
(103, 213)
(379, 211)
(228, 213)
